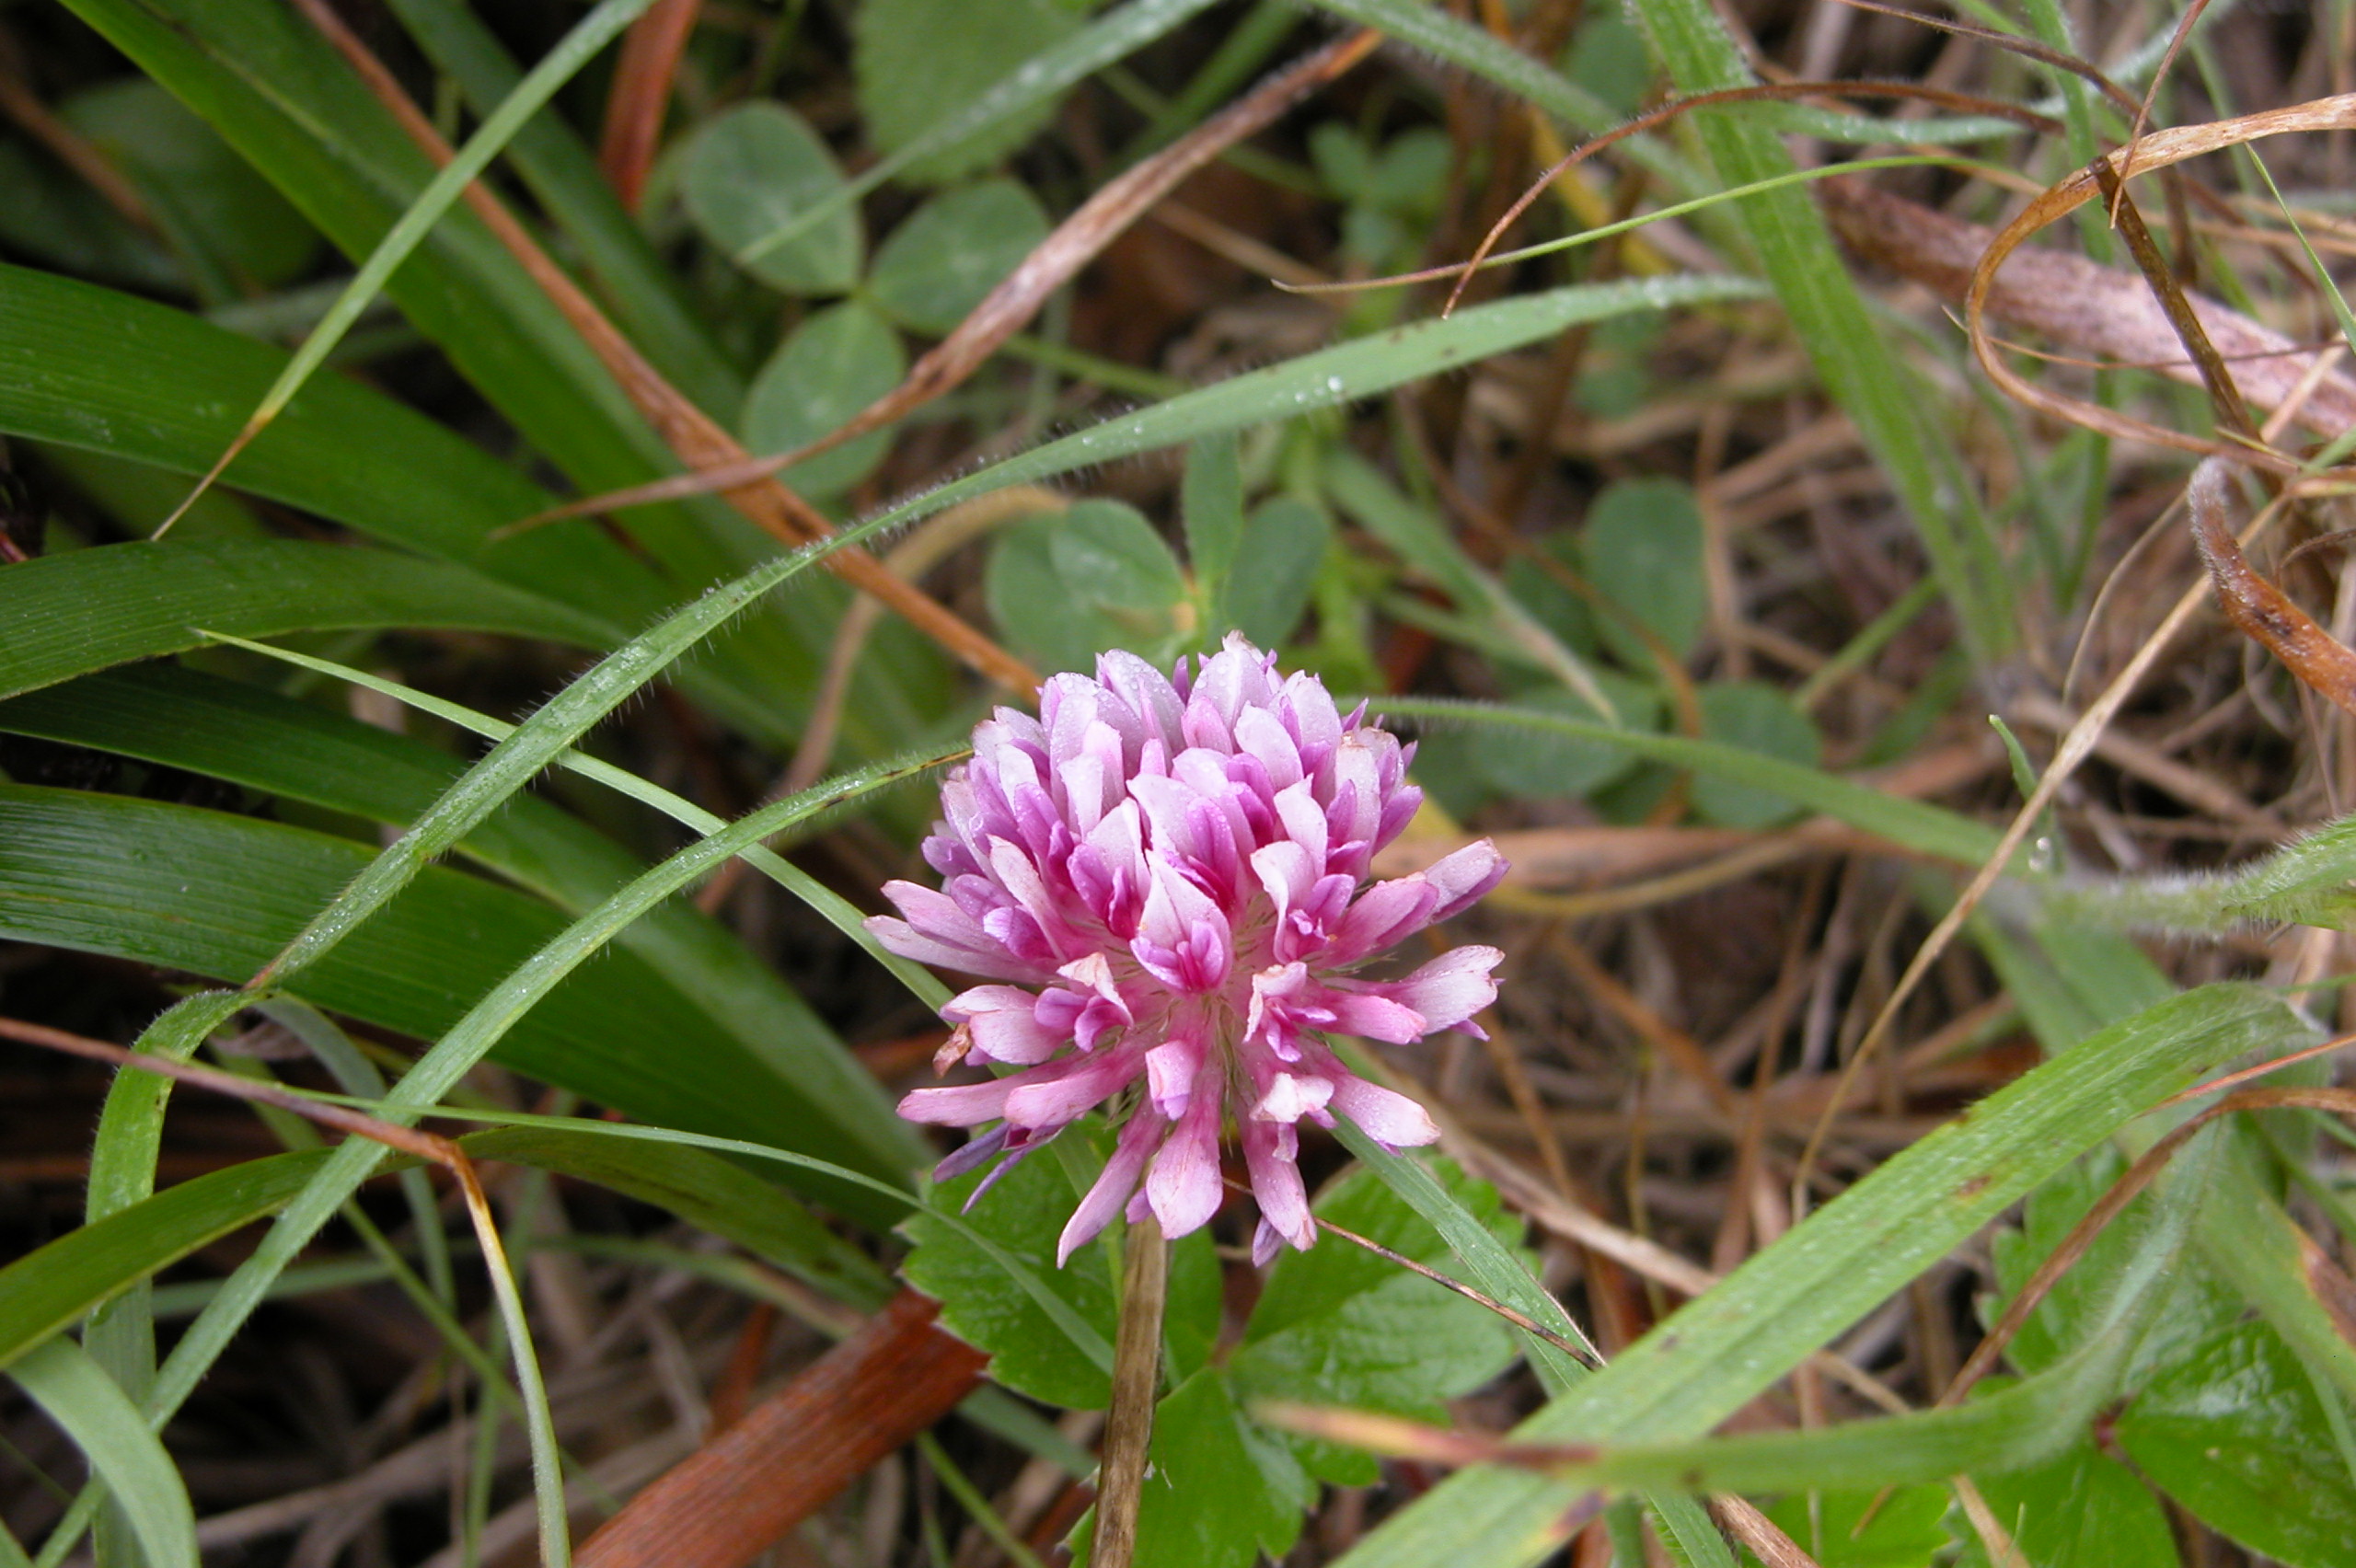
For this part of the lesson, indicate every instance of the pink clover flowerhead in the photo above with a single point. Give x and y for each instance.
(1167, 882)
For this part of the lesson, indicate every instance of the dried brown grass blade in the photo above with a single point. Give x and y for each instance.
(2092, 308)
(2259, 610)
(640, 92)
(2159, 150)
(1009, 306)
(741, 1493)
(696, 439)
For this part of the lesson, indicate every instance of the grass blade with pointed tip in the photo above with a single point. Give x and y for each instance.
(591, 33)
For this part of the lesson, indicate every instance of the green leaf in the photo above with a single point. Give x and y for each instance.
(1867, 1529)
(116, 1442)
(70, 614)
(920, 61)
(750, 170)
(1721, 1350)
(1276, 565)
(707, 1192)
(835, 362)
(2235, 1433)
(1642, 546)
(1065, 589)
(1023, 1213)
(1338, 1325)
(2080, 1509)
(240, 234)
(951, 252)
(1763, 720)
(1211, 507)
(1221, 1490)
(49, 1288)
(2304, 883)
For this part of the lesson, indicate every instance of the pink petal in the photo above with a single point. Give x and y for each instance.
(965, 1105)
(1451, 987)
(1183, 1185)
(1387, 1118)
(1113, 1188)
(1464, 877)
(1268, 1155)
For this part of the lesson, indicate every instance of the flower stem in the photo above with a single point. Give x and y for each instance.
(1137, 1364)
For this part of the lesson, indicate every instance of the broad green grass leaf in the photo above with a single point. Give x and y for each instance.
(1642, 545)
(1336, 1325)
(215, 894)
(235, 233)
(68, 615)
(1030, 1351)
(563, 174)
(1866, 1530)
(51, 1287)
(489, 1022)
(834, 363)
(1760, 720)
(749, 170)
(948, 254)
(1275, 566)
(920, 61)
(420, 215)
(2235, 1433)
(104, 371)
(708, 1192)
(1722, 1349)
(121, 1449)
(255, 738)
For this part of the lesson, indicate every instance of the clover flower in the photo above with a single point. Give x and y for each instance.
(1170, 880)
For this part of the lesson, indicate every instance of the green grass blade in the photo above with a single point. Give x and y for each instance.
(121, 1449)
(589, 35)
(1923, 829)
(1829, 320)
(298, 751)
(210, 893)
(49, 1289)
(457, 1052)
(1729, 1345)
(70, 614)
(837, 911)
(564, 175)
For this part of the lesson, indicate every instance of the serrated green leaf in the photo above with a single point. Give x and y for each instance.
(1337, 1325)
(2081, 1509)
(1866, 1530)
(1642, 547)
(951, 252)
(836, 362)
(2235, 1433)
(1276, 565)
(1221, 1490)
(749, 170)
(1763, 720)
(921, 62)
(1023, 1212)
